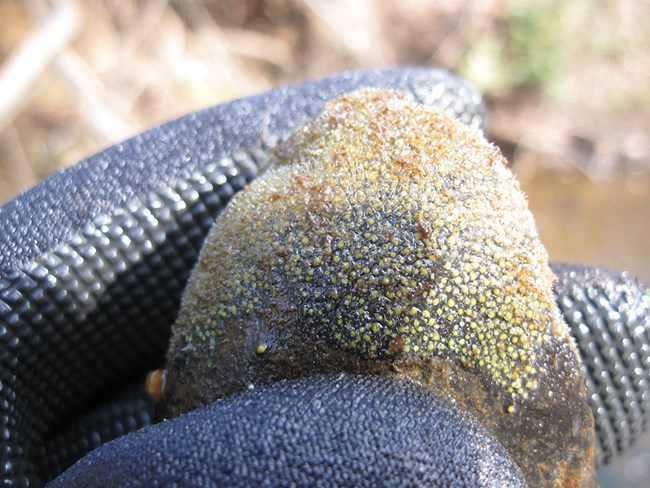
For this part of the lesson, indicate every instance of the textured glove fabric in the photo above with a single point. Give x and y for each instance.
(609, 317)
(324, 431)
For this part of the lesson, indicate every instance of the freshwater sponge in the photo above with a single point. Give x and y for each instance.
(388, 238)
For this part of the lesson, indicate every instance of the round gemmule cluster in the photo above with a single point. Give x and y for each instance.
(392, 230)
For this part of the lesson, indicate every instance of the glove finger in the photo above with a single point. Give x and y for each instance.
(609, 317)
(319, 431)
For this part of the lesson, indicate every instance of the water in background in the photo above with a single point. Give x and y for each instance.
(604, 223)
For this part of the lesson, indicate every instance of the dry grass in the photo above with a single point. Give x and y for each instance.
(567, 85)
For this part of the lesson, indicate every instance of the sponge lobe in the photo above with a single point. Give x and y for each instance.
(387, 238)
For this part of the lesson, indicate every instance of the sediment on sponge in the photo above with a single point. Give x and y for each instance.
(387, 238)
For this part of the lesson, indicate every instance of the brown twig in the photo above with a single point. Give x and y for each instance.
(21, 71)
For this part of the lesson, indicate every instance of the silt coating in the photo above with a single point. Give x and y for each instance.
(388, 238)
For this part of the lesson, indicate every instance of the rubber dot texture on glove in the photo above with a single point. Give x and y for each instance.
(323, 431)
(609, 316)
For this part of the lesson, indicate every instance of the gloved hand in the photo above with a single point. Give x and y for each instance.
(92, 265)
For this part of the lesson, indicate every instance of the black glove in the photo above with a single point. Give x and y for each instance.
(93, 262)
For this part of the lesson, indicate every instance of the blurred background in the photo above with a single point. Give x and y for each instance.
(566, 82)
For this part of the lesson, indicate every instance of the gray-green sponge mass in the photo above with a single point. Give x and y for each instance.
(388, 238)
